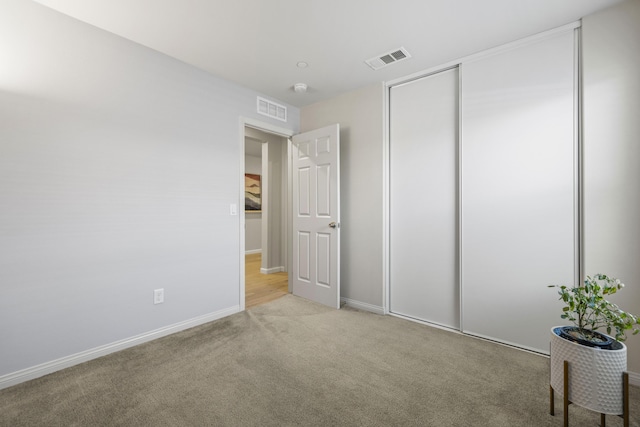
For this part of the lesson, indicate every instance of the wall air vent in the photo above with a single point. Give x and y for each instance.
(271, 109)
(388, 58)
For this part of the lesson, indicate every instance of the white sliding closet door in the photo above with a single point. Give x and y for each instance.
(423, 195)
(518, 183)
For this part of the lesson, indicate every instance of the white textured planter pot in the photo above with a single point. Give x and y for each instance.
(595, 375)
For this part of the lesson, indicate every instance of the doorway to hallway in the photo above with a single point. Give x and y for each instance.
(299, 170)
(266, 207)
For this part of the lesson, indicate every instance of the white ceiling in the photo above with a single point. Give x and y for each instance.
(257, 43)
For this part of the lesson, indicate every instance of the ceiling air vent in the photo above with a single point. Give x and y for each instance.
(388, 58)
(271, 109)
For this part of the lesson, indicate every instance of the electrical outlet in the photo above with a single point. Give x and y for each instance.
(158, 296)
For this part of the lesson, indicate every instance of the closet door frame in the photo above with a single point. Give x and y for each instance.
(578, 264)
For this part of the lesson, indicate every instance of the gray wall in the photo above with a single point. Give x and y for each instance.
(118, 166)
(361, 117)
(612, 153)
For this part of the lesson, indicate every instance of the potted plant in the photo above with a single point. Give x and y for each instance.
(596, 361)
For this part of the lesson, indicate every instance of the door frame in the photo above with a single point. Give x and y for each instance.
(285, 133)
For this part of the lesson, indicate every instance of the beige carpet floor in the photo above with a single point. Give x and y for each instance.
(295, 363)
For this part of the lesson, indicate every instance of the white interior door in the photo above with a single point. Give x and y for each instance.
(316, 215)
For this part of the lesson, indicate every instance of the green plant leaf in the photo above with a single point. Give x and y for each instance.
(587, 308)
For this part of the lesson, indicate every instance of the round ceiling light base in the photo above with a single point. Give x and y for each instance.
(300, 87)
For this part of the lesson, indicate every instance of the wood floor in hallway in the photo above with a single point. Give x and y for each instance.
(261, 288)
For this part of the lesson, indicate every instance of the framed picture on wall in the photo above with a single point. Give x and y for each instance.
(252, 192)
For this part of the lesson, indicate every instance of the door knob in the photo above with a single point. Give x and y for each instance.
(333, 224)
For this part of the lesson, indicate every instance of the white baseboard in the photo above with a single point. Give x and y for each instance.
(363, 306)
(271, 270)
(253, 251)
(33, 372)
